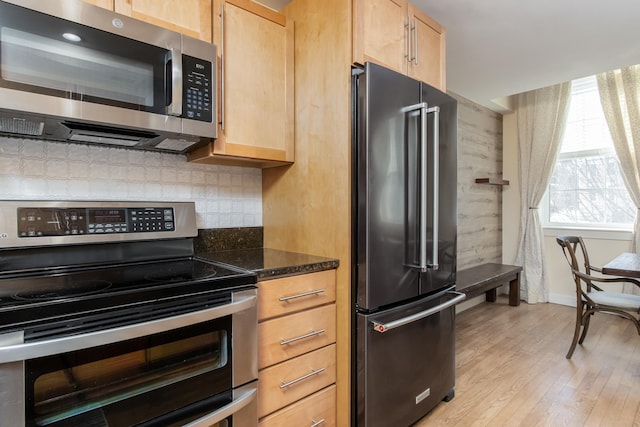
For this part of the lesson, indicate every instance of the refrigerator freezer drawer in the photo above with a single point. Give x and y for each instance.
(409, 367)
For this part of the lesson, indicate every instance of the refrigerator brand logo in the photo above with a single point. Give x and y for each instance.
(423, 395)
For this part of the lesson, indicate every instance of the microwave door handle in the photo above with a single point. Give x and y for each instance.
(175, 106)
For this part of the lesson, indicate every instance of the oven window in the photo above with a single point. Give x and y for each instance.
(160, 380)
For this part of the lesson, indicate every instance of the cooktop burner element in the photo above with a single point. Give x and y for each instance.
(79, 282)
(74, 289)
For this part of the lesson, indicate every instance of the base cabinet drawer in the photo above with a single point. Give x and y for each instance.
(285, 337)
(315, 410)
(287, 382)
(287, 295)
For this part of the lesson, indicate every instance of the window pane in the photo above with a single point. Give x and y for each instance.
(586, 188)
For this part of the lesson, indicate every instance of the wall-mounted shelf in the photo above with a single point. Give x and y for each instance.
(492, 181)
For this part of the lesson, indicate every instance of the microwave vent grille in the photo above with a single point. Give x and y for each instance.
(21, 126)
(94, 133)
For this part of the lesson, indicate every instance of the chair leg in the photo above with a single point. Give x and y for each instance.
(585, 328)
(576, 335)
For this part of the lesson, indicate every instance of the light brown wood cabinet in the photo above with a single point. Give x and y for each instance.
(317, 409)
(396, 34)
(255, 89)
(297, 350)
(190, 17)
(106, 4)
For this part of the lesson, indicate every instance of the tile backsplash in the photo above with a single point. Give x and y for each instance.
(225, 196)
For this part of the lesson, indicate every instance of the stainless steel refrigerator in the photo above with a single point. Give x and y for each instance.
(403, 248)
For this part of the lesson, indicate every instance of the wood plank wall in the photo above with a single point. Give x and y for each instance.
(479, 205)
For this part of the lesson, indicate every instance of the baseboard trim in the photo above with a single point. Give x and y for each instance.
(568, 300)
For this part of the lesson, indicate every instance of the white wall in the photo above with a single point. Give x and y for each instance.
(601, 251)
(224, 196)
(602, 246)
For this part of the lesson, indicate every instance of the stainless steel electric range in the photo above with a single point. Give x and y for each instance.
(108, 319)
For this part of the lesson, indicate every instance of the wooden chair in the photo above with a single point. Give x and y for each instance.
(591, 298)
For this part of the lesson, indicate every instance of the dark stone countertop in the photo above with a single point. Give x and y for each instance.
(271, 263)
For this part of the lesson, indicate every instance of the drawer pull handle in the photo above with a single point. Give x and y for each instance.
(313, 372)
(304, 294)
(301, 337)
(316, 423)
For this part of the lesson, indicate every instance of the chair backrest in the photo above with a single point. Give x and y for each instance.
(575, 251)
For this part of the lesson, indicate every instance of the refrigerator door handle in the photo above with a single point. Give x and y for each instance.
(423, 108)
(384, 327)
(424, 265)
(436, 183)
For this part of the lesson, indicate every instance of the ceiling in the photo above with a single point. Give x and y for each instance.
(497, 48)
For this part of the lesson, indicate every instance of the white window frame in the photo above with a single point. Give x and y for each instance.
(597, 231)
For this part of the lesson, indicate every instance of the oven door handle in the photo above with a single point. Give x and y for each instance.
(14, 349)
(244, 399)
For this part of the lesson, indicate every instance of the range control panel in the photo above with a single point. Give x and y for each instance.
(69, 221)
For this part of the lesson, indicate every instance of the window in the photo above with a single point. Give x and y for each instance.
(587, 189)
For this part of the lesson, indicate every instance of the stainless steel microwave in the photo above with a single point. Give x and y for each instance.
(74, 72)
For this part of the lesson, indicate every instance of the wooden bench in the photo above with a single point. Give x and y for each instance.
(486, 278)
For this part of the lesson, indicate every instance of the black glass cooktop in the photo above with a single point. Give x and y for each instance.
(55, 293)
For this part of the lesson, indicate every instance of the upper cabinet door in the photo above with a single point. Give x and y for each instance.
(189, 17)
(256, 112)
(427, 62)
(397, 35)
(380, 33)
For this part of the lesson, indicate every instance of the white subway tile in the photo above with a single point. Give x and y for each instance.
(78, 152)
(9, 165)
(33, 148)
(10, 146)
(79, 170)
(57, 169)
(57, 151)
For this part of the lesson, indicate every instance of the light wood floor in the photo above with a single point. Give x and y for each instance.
(512, 371)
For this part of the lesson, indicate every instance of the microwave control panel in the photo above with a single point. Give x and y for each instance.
(196, 97)
(43, 222)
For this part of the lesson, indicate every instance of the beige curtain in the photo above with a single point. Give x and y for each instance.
(619, 98)
(541, 116)
(621, 105)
